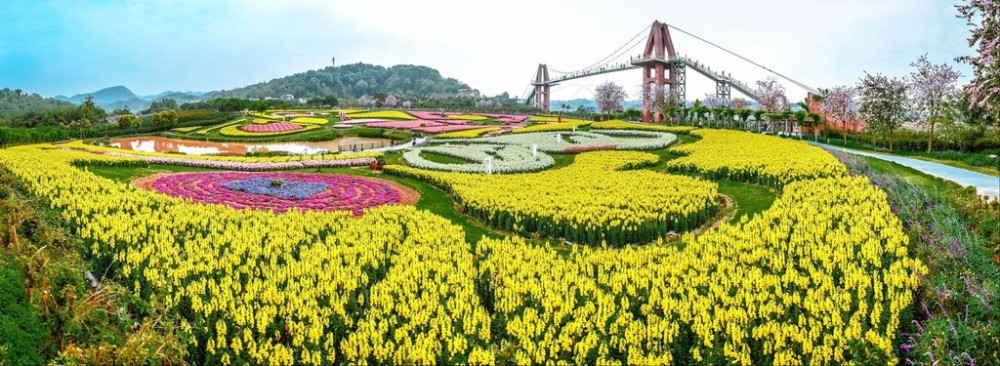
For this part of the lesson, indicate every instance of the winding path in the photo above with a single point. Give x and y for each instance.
(985, 184)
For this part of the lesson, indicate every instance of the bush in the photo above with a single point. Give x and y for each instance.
(371, 132)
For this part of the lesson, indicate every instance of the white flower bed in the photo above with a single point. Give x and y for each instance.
(505, 158)
(556, 141)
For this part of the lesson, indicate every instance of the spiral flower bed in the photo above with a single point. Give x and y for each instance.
(272, 127)
(281, 191)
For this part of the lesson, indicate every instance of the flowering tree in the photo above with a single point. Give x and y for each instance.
(770, 95)
(840, 105)
(407, 104)
(609, 97)
(984, 89)
(365, 101)
(883, 104)
(739, 103)
(929, 85)
(712, 101)
(391, 101)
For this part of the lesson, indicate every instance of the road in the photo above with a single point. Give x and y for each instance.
(985, 184)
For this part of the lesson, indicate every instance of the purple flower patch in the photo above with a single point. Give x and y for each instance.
(277, 187)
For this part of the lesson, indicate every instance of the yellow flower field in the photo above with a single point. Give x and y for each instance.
(822, 277)
(467, 117)
(382, 114)
(591, 201)
(551, 118)
(624, 125)
(80, 145)
(748, 157)
(564, 126)
(185, 129)
(310, 120)
(466, 134)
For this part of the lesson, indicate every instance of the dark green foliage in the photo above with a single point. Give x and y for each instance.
(352, 81)
(22, 335)
(16, 102)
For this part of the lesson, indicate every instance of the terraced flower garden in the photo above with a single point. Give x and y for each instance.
(621, 244)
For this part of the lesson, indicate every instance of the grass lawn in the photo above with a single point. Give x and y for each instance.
(126, 175)
(444, 159)
(750, 199)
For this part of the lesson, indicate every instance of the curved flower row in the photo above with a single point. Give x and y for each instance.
(311, 120)
(317, 192)
(563, 126)
(546, 118)
(250, 166)
(263, 288)
(509, 158)
(592, 201)
(467, 134)
(625, 125)
(271, 127)
(747, 157)
(79, 145)
(381, 115)
(584, 141)
(236, 130)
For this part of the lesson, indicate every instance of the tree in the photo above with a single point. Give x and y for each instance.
(840, 105)
(929, 85)
(883, 104)
(165, 118)
(609, 97)
(770, 95)
(739, 103)
(390, 101)
(657, 99)
(126, 121)
(712, 100)
(744, 114)
(984, 88)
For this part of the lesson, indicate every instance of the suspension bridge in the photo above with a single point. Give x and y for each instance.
(663, 70)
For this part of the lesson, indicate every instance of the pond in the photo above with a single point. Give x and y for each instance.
(195, 147)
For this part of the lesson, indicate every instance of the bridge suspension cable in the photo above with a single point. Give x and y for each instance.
(614, 54)
(801, 85)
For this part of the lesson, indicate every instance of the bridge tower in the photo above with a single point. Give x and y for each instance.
(658, 65)
(542, 88)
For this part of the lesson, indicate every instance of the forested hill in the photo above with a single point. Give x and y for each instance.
(353, 81)
(14, 102)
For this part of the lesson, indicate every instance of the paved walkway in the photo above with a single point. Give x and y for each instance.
(400, 146)
(985, 184)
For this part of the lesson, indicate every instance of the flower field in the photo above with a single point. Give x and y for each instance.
(278, 192)
(508, 158)
(467, 134)
(381, 115)
(311, 120)
(765, 160)
(277, 127)
(573, 142)
(566, 125)
(272, 129)
(592, 201)
(624, 125)
(824, 276)
(468, 117)
(541, 118)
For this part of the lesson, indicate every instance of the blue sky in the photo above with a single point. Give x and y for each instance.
(69, 47)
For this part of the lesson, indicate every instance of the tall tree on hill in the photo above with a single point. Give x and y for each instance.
(983, 16)
(883, 104)
(609, 97)
(929, 85)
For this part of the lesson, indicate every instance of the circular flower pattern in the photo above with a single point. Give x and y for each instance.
(272, 127)
(282, 191)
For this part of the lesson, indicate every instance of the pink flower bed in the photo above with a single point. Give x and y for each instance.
(448, 128)
(405, 124)
(272, 127)
(304, 191)
(452, 121)
(257, 167)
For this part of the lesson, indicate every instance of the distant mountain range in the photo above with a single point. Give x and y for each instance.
(117, 97)
(347, 81)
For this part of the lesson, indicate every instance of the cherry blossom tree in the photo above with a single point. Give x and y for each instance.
(712, 101)
(770, 95)
(840, 104)
(391, 101)
(929, 85)
(739, 103)
(407, 104)
(883, 104)
(609, 97)
(983, 16)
